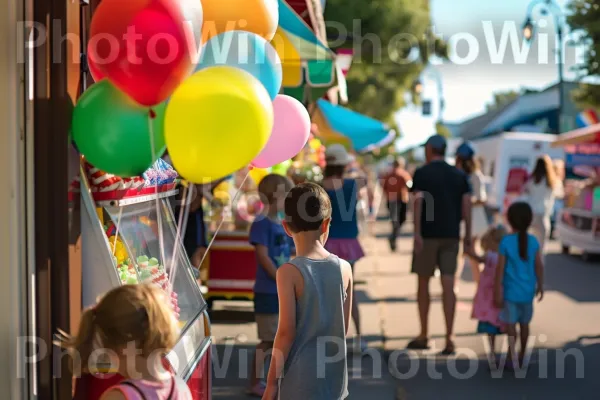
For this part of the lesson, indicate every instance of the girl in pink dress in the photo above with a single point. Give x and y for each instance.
(484, 309)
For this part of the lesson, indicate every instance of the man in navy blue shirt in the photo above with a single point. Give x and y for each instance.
(442, 200)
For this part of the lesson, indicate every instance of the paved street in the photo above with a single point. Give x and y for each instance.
(566, 328)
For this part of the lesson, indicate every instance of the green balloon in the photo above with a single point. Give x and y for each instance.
(113, 132)
(282, 168)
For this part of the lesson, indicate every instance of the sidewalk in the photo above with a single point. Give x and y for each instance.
(234, 331)
(386, 291)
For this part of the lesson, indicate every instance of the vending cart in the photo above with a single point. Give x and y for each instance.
(579, 223)
(121, 221)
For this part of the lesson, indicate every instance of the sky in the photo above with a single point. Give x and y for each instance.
(477, 68)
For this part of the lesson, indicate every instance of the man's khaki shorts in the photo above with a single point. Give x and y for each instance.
(266, 325)
(436, 253)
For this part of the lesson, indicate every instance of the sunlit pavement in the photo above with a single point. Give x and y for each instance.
(565, 363)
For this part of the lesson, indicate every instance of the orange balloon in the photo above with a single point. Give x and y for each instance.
(257, 16)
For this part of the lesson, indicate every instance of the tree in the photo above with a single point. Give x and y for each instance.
(392, 44)
(583, 18)
(443, 130)
(501, 99)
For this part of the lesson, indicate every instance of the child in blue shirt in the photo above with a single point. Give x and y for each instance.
(273, 249)
(519, 278)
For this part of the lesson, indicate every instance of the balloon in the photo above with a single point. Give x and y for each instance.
(248, 52)
(290, 132)
(258, 174)
(223, 187)
(146, 47)
(217, 121)
(282, 168)
(113, 133)
(315, 144)
(256, 16)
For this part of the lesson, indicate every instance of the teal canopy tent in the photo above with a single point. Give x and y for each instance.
(364, 133)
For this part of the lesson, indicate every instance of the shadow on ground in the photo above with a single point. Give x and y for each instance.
(567, 373)
(571, 277)
(363, 297)
(231, 371)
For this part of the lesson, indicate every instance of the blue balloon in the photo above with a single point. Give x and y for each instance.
(248, 52)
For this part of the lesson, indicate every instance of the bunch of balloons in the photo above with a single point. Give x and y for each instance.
(196, 77)
(317, 152)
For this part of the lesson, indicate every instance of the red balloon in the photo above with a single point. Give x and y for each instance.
(146, 47)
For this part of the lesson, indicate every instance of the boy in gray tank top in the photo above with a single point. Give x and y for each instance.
(315, 299)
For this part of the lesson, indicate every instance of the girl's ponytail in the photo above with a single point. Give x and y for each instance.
(520, 216)
(523, 245)
(81, 345)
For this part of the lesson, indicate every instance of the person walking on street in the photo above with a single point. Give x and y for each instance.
(442, 200)
(343, 234)
(540, 193)
(273, 249)
(466, 162)
(396, 185)
(519, 279)
(315, 297)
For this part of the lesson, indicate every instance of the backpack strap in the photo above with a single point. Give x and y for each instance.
(141, 394)
(173, 384)
(131, 385)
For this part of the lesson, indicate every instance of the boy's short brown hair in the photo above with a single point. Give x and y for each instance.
(306, 207)
(273, 185)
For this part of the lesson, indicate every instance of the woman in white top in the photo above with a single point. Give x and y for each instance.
(465, 161)
(540, 192)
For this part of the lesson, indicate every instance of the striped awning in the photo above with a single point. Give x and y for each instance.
(340, 125)
(307, 62)
(589, 134)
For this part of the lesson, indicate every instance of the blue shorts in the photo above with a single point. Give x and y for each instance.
(266, 303)
(513, 313)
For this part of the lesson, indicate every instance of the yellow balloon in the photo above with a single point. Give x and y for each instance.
(222, 187)
(217, 121)
(258, 174)
(315, 144)
(257, 16)
(222, 195)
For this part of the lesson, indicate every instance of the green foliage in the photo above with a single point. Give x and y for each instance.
(443, 130)
(501, 99)
(392, 44)
(583, 18)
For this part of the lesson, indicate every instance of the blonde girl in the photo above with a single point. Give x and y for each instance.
(134, 326)
(484, 309)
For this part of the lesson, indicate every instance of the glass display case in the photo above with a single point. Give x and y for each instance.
(121, 244)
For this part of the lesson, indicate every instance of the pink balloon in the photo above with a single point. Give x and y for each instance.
(291, 129)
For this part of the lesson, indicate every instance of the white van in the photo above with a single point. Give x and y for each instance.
(503, 152)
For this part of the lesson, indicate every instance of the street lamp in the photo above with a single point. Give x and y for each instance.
(550, 6)
(528, 29)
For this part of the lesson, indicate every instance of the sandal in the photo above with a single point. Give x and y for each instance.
(448, 350)
(418, 344)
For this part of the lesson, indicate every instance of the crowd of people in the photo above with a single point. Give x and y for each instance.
(447, 197)
(307, 244)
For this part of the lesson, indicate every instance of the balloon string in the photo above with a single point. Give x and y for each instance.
(183, 213)
(161, 242)
(114, 249)
(239, 191)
